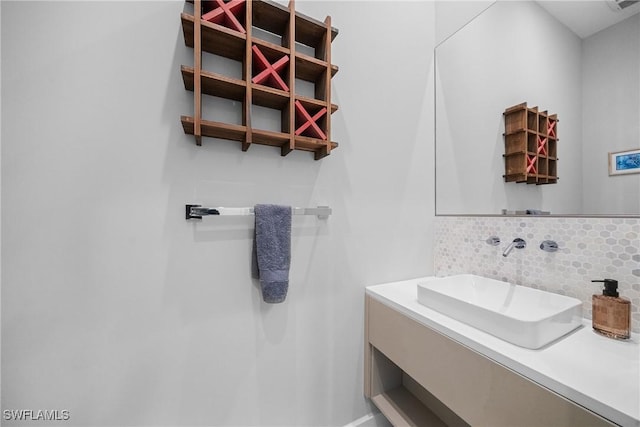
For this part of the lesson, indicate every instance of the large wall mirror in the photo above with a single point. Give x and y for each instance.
(541, 53)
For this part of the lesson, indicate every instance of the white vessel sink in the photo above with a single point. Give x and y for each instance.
(520, 315)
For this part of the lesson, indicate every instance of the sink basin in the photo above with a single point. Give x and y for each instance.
(520, 315)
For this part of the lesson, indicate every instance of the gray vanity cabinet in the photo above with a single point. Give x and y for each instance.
(417, 376)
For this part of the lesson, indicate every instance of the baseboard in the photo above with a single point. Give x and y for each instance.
(370, 420)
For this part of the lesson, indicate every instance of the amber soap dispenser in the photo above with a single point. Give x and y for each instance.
(611, 313)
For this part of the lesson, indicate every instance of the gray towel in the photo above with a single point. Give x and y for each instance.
(272, 251)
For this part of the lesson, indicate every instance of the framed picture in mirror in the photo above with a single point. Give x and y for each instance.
(624, 162)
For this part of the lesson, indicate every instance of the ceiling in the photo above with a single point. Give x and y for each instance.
(588, 17)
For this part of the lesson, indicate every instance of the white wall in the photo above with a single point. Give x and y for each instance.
(117, 309)
(481, 72)
(611, 116)
(454, 15)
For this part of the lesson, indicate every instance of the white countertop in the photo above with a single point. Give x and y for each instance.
(589, 369)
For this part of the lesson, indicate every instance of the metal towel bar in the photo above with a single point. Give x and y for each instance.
(198, 211)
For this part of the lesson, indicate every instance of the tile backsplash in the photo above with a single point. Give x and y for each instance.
(589, 248)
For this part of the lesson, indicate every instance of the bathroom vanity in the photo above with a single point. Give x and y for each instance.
(423, 368)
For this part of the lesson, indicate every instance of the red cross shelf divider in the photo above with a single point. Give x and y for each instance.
(227, 14)
(551, 128)
(542, 145)
(269, 73)
(309, 124)
(531, 164)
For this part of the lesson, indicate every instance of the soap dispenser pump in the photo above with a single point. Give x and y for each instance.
(611, 313)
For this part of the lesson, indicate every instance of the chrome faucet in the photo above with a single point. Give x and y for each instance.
(517, 243)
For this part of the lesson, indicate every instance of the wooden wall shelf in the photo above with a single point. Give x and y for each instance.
(269, 72)
(531, 145)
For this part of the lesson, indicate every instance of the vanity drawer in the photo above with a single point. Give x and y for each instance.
(479, 390)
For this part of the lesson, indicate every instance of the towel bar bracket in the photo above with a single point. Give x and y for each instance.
(197, 211)
(323, 212)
